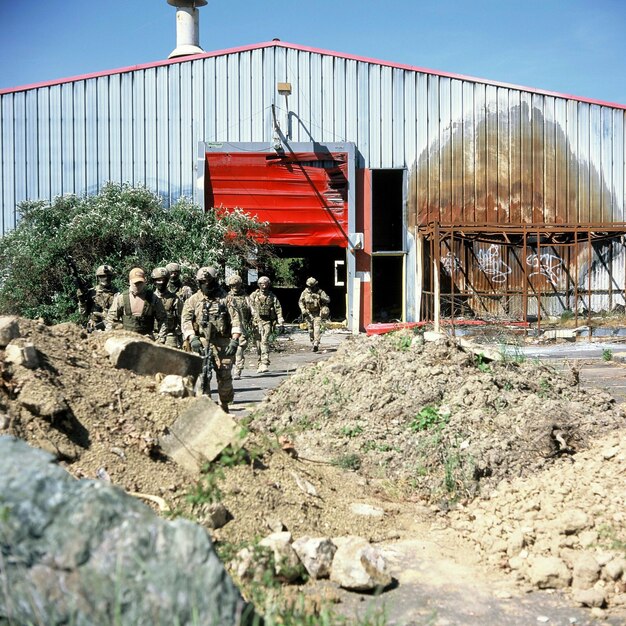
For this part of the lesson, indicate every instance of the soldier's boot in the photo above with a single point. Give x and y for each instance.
(315, 347)
(224, 407)
(237, 373)
(262, 368)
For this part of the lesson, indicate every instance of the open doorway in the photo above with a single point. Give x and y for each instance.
(388, 245)
(387, 281)
(295, 264)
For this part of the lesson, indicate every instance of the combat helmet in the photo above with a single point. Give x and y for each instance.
(104, 270)
(234, 280)
(206, 274)
(173, 267)
(264, 280)
(160, 273)
(311, 282)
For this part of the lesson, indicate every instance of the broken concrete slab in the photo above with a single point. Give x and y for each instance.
(198, 436)
(20, 352)
(147, 358)
(563, 333)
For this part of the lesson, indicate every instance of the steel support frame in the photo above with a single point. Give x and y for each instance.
(514, 235)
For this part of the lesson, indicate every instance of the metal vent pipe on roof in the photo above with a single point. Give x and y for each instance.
(187, 27)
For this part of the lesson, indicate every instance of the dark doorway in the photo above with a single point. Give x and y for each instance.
(387, 210)
(387, 277)
(326, 264)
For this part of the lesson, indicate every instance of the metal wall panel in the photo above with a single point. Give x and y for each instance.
(475, 152)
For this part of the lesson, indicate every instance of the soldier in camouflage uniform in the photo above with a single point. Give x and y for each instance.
(96, 302)
(210, 323)
(266, 314)
(173, 308)
(184, 292)
(313, 304)
(238, 299)
(137, 308)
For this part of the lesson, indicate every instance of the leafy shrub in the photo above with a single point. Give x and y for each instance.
(122, 226)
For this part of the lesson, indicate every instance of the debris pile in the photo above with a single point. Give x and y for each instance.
(435, 417)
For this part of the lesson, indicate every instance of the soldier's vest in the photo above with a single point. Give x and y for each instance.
(215, 319)
(142, 324)
(312, 303)
(240, 303)
(102, 300)
(172, 321)
(265, 307)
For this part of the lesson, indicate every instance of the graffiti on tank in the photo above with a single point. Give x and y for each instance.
(548, 265)
(492, 265)
(450, 263)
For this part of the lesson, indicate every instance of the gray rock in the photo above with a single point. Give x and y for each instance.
(9, 329)
(586, 571)
(359, 566)
(22, 353)
(615, 568)
(593, 597)
(286, 561)
(549, 572)
(83, 552)
(176, 386)
(366, 510)
(316, 554)
(573, 521)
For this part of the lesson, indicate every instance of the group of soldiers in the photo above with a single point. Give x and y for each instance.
(213, 322)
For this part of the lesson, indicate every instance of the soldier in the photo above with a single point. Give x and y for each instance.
(173, 308)
(184, 292)
(213, 329)
(238, 299)
(137, 308)
(266, 313)
(96, 302)
(313, 304)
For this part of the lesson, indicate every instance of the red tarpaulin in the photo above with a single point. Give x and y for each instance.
(303, 196)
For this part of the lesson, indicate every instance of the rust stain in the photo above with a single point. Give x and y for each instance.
(528, 179)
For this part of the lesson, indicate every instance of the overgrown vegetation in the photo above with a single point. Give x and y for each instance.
(122, 226)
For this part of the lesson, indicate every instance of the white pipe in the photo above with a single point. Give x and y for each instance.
(187, 27)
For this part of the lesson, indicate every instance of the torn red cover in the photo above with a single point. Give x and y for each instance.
(303, 196)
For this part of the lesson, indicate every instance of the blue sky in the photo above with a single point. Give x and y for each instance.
(575, 47)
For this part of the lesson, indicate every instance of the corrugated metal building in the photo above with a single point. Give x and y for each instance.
(445, 195)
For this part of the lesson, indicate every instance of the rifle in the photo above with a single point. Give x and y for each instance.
(203, 384)
(82, 287)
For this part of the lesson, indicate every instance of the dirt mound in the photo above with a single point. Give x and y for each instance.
(433, 418)
(97, 420)
(103, 423)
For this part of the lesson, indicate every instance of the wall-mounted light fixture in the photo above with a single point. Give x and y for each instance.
(284, 89)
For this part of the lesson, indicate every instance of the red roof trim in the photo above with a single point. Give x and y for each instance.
(284, 44)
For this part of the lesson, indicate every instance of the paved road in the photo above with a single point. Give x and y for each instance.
(294, 350)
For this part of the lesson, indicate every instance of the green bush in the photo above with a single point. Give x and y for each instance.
(122, 226)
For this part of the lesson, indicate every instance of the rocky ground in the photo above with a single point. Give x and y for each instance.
(510, 461)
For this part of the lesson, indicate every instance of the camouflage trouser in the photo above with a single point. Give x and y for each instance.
(314, 324)
(223, 369)
(240, 356)
(261, 335)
